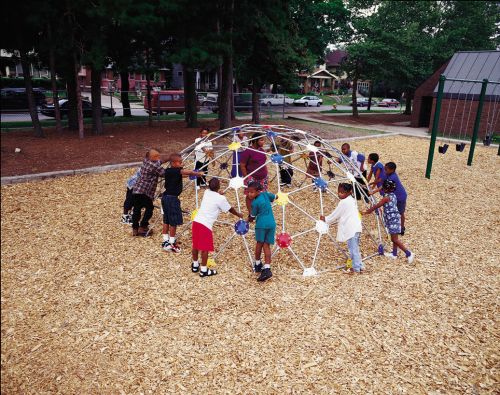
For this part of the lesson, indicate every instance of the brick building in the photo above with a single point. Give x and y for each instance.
(460, 99)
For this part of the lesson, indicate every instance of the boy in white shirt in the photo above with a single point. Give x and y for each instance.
(212, 204)
(349, 225)
(203, 152)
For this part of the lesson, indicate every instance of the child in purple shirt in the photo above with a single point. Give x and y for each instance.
(400, 191)
(377, 170)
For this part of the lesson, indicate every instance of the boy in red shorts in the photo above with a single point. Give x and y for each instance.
(212, 204)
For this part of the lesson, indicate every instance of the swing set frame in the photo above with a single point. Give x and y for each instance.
(435, 124)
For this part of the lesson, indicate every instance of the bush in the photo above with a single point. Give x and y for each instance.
(7, 82)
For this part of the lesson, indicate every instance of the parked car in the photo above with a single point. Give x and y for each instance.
(363, 102)
(308, 101)
(164, 102)
(275, 100)
(388, 103)
(208, 101)
(241, 103)
(49, 111)
(16, 98)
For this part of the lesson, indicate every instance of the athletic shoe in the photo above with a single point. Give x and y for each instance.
(257, 268)
(265, 275)
(173, 247)
(411, 258)
(390, 255)
(126, 219)
(208, 273)
(165, 245)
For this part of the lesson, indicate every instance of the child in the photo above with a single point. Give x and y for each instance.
(128, 204)
(400, 192)
(143, 193)
(315, 163)
(265, 227)
(212, 204)
(349, 225)
(172, 213)
(253, 165)
(358, 160)
(203, 152)
(285, 149)
(392, 220)
(376, 170)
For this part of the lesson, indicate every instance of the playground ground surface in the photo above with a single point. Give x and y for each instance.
(86, 308)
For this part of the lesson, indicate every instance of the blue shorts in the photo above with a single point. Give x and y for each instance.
(265, 235)
(172, 213)
(401, 206)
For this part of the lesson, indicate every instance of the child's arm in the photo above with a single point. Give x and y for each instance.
(376, 206)
(272, 196)
(370, 175)
(233, 211)
(375, 191)
(186, 172)
(334, 216)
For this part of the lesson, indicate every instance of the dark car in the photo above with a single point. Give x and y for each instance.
(363, 102)
(48, 110)
(16, 98)
(241, 103)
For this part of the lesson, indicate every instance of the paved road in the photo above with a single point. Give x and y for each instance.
(138, 109)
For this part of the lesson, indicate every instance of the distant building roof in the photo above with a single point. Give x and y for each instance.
(335, 58)
(474, 65)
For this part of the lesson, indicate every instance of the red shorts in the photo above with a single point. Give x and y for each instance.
(203, 239)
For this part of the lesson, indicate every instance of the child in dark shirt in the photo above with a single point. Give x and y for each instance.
(170, 203)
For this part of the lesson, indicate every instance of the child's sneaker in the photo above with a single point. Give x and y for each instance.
(173, 247)
(126, 219)
(266, 274)
(165, 245)
(411, 258)
(390, 255)
(257, 268)
(208, 273)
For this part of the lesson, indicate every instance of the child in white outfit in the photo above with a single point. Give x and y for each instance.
(349, 225)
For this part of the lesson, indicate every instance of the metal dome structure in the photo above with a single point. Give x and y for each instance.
(303, 241)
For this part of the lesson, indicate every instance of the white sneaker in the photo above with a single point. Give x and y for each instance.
(411, 258)
(390, 255)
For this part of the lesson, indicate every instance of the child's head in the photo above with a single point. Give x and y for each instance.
(204, 132)
(175, 160)
(346, 149)
(390, 167)
(317, 143)
(389, 186)
(154, 155)
(254, 189)
(373, 158)
(344, 190)
(258, 140)
(214, 184)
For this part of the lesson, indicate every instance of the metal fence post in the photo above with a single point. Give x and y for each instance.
(435, 125)
(477, 122)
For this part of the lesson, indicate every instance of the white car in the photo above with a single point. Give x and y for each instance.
(275, 100)
(308, 101)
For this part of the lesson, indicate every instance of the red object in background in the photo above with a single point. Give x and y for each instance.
(284, 240)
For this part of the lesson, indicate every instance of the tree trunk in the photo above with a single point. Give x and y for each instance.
(409, 98)
(370, 95)
(79, 108)
(354, 97)
(72, 113)
(255, 102)
(226, 90)
(29, 93)
(124, 94)
(53, 82)
(149, 99)
(190, 99)
(97, 126)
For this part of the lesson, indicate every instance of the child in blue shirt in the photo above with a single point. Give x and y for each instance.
(400, 191)
(377, 170)
(265, 227)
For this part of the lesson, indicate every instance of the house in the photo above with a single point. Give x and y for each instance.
(460, 99)
(320, 80)
(333, 61)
